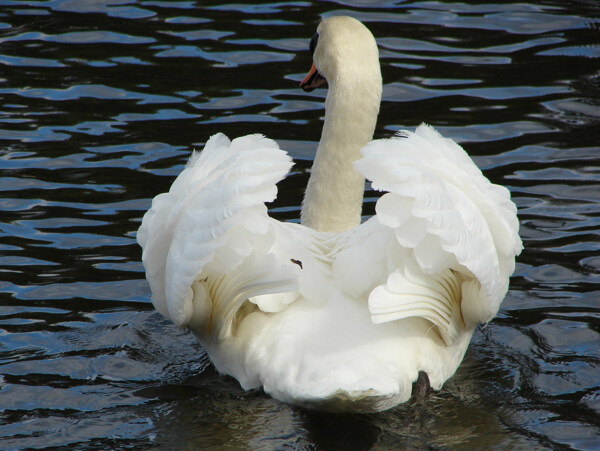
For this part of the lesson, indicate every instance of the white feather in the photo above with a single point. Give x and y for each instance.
(332, 313)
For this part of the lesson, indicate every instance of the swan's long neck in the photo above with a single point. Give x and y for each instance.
(334, 195)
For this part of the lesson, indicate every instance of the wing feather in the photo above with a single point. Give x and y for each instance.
(208, 243)
(458, 232)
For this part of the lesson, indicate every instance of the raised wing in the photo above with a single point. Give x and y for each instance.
(448, 236)
(209, 245)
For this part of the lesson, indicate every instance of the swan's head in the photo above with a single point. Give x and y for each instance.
(342, 47)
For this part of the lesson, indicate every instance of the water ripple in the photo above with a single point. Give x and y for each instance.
(102, 104)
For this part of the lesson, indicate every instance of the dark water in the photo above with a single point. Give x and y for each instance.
(102, 102)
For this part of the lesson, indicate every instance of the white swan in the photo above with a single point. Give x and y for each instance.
(332, 313)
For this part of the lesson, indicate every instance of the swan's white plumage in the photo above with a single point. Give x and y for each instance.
(448, 213)
(344, 320)
(213, 223)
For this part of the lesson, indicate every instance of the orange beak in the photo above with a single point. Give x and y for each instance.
(312, 80)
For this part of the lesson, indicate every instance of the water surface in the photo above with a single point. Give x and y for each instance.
(102, 103)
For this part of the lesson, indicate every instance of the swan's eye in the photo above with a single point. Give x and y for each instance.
(313, 43)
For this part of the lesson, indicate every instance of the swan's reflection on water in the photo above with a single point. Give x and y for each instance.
(207, 410)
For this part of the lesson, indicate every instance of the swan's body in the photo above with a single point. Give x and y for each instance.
(332, 313)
